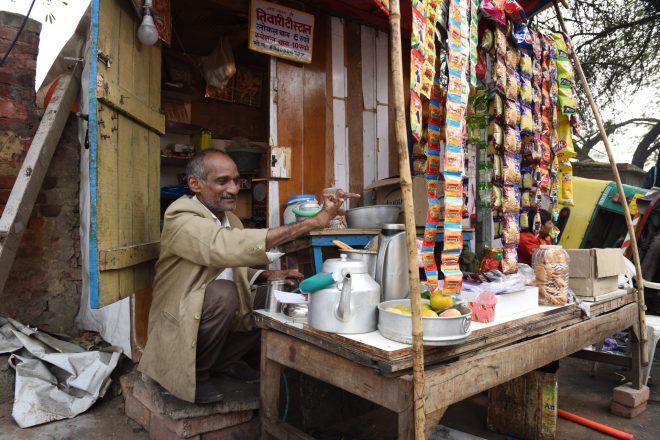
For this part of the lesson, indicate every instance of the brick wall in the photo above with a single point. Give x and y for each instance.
(44, 285)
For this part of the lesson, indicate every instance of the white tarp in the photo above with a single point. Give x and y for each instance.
(54, 379)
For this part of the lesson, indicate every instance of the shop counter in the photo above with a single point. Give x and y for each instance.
(380, 370)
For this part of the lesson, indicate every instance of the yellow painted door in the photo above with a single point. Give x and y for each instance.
(125, 127)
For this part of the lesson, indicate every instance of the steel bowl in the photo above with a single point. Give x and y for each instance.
(437, 331)
(374, 216)
(296, 311)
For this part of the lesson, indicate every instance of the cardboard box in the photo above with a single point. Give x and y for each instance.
(388, 192)
(595, 272)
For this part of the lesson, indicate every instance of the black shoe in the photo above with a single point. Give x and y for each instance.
(240, 370)
(206, 392)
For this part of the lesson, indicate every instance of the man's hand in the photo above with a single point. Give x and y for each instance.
(292, 277)
(332, 206)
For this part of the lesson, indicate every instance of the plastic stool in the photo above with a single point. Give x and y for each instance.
(653, 335)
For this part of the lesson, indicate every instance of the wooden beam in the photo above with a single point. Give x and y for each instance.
(119, 258)
(16, 214)
(282, 430)
(447, 384)
(130, 105)
(606, 358)
(392, 393)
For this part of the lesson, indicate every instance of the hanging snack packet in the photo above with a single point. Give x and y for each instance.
(500, 43)
(453, 210)
(566, 184)
(419, 149)
(512, 58)
(524, 220)
(511, 198)
(514, 11)
(418, 36)
(433, 212)
(453, 185)
(496, 135)
(427, 78)
(511, 139)
(510, 259)
(522, 36)
(526, 120)
(527, 179)
(495, 106)
(419, 165)
(526, 90)
(430, 233)
(432, 185)
(496, 197)
(415, 115)
(500, 74)
(453, 159)
(494, 10)
(450, 259)
(433, 164)
(526, 200)
(510, 228)
(453, 282)
(511, 168)
(512, 84)
(565, 149)
(511, 113)
(487, 40)
(498, 175)
(416, 70)
(525, 65)
(453, 237)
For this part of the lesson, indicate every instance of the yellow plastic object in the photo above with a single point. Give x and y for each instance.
(586, 193)
(202, 140)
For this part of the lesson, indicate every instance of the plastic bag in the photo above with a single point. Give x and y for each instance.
(219, 66)
(494, 9)
(551, 269)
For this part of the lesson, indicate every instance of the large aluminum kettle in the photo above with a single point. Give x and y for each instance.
(392, 262)
(350, 305)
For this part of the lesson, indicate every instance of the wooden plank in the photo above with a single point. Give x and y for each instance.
(107, 201)
(354, 106)
(392, 393)
(329, 114)
(281, 430)
(368, 57)
(338, 63)
(348, 231)
(387, 154)
(269, 384)
(128, 103)
(273, 139)
(128, 140)
(127, 256)
(382, 142)
(314, 115)
(606, 358)
(446, 385)
(20, 203)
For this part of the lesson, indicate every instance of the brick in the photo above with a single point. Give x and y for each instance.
(136, 411)
(13, 110)
(187, 428)
(13, 20)
(245, 431)
(159, 430)
(624, 411)
(628, 396)
(7, 182)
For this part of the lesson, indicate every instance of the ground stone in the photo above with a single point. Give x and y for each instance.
(628, 396)
(624, 411)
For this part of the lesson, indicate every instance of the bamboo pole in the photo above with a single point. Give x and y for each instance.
(644, 356)
(408, 210)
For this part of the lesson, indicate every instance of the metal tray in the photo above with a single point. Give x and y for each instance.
(436, 331)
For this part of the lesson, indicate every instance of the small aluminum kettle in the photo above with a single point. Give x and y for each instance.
(349, 305)
(392, 262)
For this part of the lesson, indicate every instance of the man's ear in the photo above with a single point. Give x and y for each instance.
(194, 184)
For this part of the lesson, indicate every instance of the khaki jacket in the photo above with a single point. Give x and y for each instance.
(194, 250)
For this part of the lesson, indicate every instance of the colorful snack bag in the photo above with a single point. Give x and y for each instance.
(500, 75)
(526, 200)
(511, 113)
(524, 219)
(487, 40)
(566, 184)
(453, 282)
(494, 10)
(522, 35)
(495, 106)
(450, 258)
(453, 159)
(496, 134)
(418, 36)
(427, 78)
(419, 149)
(512, 84)
(492, 259)
(453, 237)
(526, 90)
(526, 120)
(419, 165)
(511, 139)
(525, 63)
(514, 11)
(527, 179)
(512, 58)
(565, 149)
(432, 186)
(453, 210)
(498, 174)
(415, 115)
(565, 76)
(416, 70)
(430, 234)
(433, 212)
(510, 228)
(510, 259)
(511, 199)
(453, 185)
(496, 197)
(511, 168)
(454, 133)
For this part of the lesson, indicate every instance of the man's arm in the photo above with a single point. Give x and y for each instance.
(331, 207)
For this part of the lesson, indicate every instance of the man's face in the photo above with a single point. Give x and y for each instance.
(218, 192)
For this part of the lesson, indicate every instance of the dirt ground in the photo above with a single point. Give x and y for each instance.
(579, 392)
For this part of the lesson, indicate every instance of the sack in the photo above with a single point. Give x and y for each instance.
(219, 66)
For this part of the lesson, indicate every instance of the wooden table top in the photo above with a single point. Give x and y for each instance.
(395, 359)
(357, 231)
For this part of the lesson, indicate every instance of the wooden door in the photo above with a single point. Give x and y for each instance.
(125, 125)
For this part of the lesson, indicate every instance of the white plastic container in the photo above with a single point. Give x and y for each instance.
(293, 202)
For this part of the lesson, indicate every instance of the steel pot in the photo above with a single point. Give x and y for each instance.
(349, 305)
(372, 216)
(392, 262)
(367, 257)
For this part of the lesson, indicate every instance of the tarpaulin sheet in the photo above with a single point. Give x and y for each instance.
(54, 379)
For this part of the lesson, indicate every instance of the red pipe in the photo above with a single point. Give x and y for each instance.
(594, 425)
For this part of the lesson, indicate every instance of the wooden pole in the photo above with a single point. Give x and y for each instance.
(626, 212)
(396, 64)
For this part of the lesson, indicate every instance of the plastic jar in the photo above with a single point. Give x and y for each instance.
(292, 202)
(551, 268)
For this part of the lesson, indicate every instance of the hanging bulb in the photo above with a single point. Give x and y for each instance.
(147, 32)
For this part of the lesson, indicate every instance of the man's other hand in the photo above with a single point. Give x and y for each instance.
(291, 276)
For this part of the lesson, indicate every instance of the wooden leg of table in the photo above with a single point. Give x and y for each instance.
(636, 367)
(406, 424)
(433, 420)
(269, 388)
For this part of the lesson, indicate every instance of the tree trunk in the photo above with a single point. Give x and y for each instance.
(644, 149)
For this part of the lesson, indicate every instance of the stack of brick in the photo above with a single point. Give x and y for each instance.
(628, 401)
(167, 418)
(44, 284)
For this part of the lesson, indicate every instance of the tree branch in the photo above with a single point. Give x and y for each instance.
(615, 28)
(644, 148)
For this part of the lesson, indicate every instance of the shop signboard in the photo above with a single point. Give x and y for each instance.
(280, 31)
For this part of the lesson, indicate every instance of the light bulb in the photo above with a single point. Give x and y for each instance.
(147, 32)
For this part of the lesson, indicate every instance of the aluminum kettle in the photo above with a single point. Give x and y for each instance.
(392, 262)
(349, 305)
